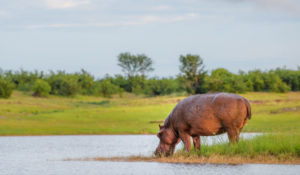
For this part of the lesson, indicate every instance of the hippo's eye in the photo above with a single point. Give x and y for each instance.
(159, 134)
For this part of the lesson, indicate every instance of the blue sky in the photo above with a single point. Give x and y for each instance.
(74, 34)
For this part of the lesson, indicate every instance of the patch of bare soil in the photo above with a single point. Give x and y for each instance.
(257, 101)
(267, 101)
(290, 109)
(199, 159)
(3, 117)
(156, 121)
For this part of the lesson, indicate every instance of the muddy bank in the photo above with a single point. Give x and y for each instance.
(199, 160)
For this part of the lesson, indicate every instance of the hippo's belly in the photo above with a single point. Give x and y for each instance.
(206, 127)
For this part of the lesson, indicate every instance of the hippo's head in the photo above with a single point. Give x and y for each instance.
(167, 143)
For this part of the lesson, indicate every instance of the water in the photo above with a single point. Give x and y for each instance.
(44, 155)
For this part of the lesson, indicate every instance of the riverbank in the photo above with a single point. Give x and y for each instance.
(233, 160)
(262, 149)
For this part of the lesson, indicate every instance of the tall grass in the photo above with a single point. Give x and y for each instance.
(281, 146)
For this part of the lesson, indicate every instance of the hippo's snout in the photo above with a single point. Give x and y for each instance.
(162, 151)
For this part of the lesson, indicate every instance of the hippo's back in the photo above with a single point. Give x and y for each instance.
(213, 108)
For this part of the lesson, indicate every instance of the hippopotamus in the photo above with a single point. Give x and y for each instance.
(203, 115)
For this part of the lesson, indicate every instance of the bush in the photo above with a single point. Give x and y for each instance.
(64, 84)
(23, 80)
(274, 83)
(290, 77)
(162, 86)
(6, 88)
(106, 89)
(41, 88)
(122, 82)
(254, 81)
(86, 82)
(221, 80)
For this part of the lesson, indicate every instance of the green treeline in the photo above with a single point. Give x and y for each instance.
(193, 78)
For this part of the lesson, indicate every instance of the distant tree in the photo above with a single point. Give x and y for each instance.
(23, 79)
(290, 77)
(193, 73)
(274, 83)
(255, 81)
(6, 87)
(163, 86)
(221, 80)
(41, 88)
(133, 65)
(105, 88)
(63, 84)
(86, 82)
(122, 82)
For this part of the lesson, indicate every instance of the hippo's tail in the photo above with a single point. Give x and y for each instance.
(248, 106)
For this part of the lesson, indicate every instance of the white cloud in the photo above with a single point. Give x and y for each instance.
(126, 21)
(289, 6)
(65, 4)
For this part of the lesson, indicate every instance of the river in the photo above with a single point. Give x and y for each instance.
(44, 155)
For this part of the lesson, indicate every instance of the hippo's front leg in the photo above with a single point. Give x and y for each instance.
(196, 141)
(186, 139)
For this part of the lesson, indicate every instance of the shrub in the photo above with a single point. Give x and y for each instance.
(41, 88)
(23, 80)
(6, 88)
(64, 84)
(122, 82)
(86, 82)
(162, 86)
(274, 83)
(221, 80)
(106, 89)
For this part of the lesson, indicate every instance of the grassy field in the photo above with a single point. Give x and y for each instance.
(23, 114)
(278, 114)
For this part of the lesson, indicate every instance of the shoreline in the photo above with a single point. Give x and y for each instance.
(109, 134)
(229, 160)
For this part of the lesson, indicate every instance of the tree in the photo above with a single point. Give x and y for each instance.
(105, 88)
(193, 73)
(63, 84)
(133, 65)
(41, 88)
(6, 87)
(221, 80)
(86, 82)
(163, 86)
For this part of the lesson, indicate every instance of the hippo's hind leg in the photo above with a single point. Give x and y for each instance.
(196, 141)
(233, 134)
(186, 139)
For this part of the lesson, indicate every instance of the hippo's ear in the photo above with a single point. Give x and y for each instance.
(160, 127)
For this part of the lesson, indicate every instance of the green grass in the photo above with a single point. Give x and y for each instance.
(280, 146)
(23, 114)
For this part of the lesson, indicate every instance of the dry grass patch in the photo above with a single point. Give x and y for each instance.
(214, 159)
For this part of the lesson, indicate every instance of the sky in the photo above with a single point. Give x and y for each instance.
(89, 34)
